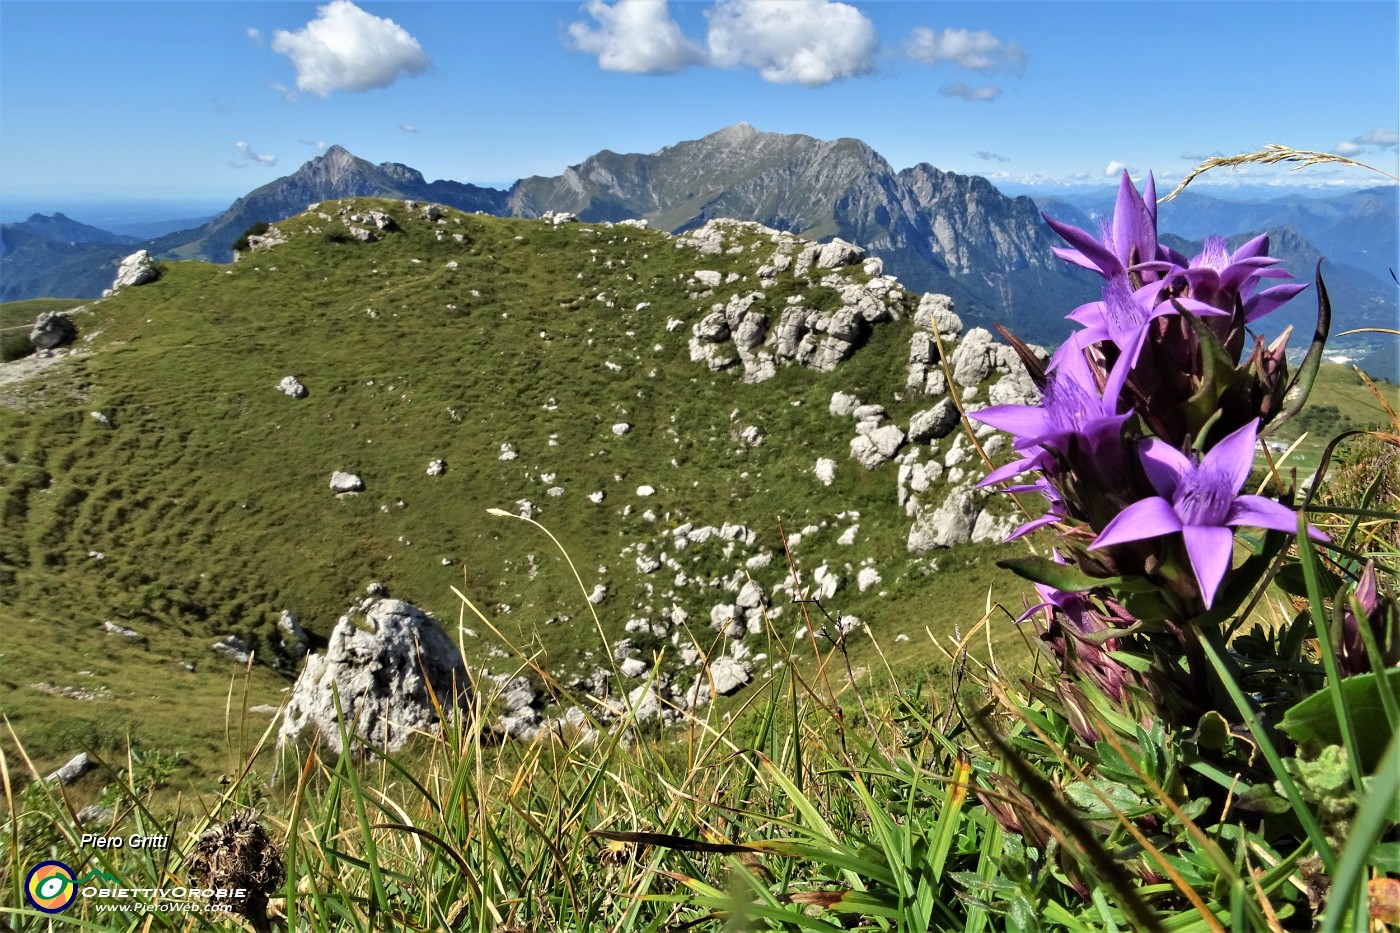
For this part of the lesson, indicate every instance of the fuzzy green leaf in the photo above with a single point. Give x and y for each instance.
(1313, 722)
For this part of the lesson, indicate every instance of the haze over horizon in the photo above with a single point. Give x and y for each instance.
(1025, 94)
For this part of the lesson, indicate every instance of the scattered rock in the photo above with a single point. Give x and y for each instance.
(935, 422)
(838, 253)
(975, 358)
(621, 428)
(843, 404)
(136, 269)
(990, 527)
(825, 470)
(95, 815)
(52, 329)
(294, 641)
(437, 467)
(113, 628)
(877, 446)
(948, 525)
(728, 675)
(342, 483)
(392, 666)
(292, 387)
(233, 648)
(72, 770)
(935, 313)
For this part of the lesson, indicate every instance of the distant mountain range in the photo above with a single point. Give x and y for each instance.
(936, 230)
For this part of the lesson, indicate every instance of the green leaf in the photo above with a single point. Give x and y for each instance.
(1290, 579)
(1314, 720)
(1261, 798)
(1063, 577)
(1120, 797)
(1212, 731)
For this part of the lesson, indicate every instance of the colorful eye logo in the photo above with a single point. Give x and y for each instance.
(50, 887)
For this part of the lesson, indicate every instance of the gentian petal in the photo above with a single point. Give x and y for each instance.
(1259, 246)
(1049, 518)
(1269, 299)
(1008, 471)
(1209, 547)
(1103, 260)
(1024, 422)
(1233, 456)
(1260, 512)
(1146, 518)
(1164, 465)
(1074, 256)
(1133, 224)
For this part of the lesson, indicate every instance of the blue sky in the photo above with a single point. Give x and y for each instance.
(190, 100)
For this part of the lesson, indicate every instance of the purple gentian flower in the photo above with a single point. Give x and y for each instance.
(1129, 240)
(1071, 405)
(1219, 277)
(1202, 501)
(1125, 316)
(1377, 614)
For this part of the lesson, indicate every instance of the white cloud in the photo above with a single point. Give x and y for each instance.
(1348, 148)
(253, 35)
(986, 156)
(289, 95)
(980, 51)
(318, 144)
(636, 36)
(809, 42)
(1380, 137)
(346, 49)
(986, 92)
(408, 127)
(1115, 168)
(243, 155)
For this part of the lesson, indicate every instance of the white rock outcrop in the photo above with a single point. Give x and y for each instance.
(136, 269)
(392, 667)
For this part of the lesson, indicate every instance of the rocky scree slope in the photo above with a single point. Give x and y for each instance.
(662, 404)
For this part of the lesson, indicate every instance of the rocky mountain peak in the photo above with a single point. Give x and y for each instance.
(332, 167)
(738, 132)
(402, 173)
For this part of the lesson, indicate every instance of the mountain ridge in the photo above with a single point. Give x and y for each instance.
(938, 231)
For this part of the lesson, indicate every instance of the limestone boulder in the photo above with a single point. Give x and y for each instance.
(136, 269)
(52, 329)
(392, 666)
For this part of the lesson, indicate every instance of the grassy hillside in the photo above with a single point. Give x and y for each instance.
(203, 509)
